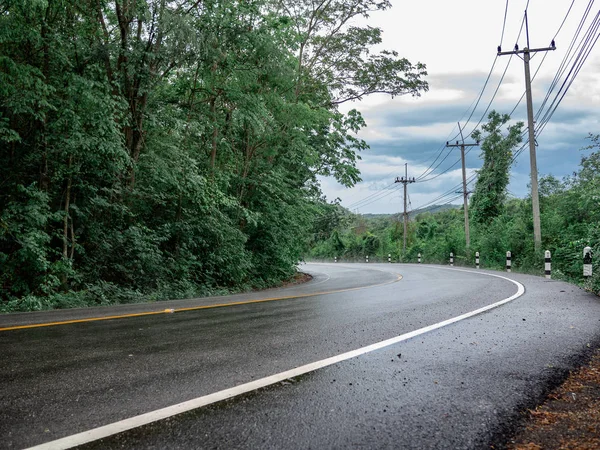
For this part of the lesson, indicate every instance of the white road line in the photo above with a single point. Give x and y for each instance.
(322, 281)
(169, 411)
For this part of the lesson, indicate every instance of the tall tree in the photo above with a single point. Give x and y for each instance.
(334, 54)
(493, 177)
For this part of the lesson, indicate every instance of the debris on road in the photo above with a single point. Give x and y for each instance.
(570, 417)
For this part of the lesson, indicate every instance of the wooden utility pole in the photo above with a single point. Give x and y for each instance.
(535, 200)
(405, 180)
(464, 177)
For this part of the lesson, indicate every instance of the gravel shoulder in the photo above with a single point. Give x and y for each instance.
(570, 416)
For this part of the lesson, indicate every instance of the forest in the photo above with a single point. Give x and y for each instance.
(155, 149)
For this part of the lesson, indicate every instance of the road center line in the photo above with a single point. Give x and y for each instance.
(169, 411)
(194, 308)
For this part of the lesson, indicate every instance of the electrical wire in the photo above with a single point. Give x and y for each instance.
(581, 57)
(371, 197)
(566, 59)
(441, 173)
(445, 171)
(574, 58)
(504, 23)
(532, 79)
(589, 43)
(431, 169)
(382, 195)
(564, 20)
(492, 99)
(448, 193)
(584, 50)
(452, 200)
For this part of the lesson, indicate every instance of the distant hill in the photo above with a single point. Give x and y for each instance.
(429, 209)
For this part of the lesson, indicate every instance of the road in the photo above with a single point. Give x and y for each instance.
(449, 385)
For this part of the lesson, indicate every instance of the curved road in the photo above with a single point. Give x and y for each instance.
(414, 380)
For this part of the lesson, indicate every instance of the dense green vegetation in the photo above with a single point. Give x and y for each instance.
(159, 148)
(570, 215)
(155, 149)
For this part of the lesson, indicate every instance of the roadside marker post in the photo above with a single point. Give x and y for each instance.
(335, 259)
(389, 258)
(548, 264)
(451, 259)
(419, 258)
(477, 260)
(587, 262)
(367, 259)
(508, 261)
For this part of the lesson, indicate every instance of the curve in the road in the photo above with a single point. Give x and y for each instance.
(163, 413)
(195, 308)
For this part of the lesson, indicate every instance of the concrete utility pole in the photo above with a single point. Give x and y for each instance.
(464, 176)
(535, 200)
(405, 180)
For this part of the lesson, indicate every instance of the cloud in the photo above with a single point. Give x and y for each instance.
(415, 130)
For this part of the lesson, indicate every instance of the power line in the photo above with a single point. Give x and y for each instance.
(567, 58)
(535, 74)
(445, 171)
(579, 53)
(564, 20)
(424, 174)
(559, 71)
(369, 197)
(588, 45)
(584, 51)
(447, 193)
(491, 100)
(504, 23)
(382, 195)
(430, 169)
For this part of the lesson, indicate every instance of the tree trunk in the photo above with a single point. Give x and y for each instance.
(72, 253)
(215, 134)
(66, 218)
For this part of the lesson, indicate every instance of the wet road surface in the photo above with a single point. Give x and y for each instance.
(458, 386)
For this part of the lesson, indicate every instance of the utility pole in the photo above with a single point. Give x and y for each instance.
(405, 180)
(464, 177)
(535, 200)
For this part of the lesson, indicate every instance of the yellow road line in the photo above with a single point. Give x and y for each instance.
(191, 308)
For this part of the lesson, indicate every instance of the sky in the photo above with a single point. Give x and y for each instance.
(458, 40)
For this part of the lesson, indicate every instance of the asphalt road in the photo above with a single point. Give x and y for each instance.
(459, 386)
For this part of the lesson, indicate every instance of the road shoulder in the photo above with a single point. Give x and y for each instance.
(570, 416)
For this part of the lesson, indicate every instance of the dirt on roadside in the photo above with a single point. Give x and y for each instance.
(570, 416)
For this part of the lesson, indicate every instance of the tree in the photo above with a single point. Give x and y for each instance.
(333, 54)
(335, 64)
(493, 178)
(159, 148)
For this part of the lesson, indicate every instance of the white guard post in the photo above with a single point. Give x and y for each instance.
(508, 261)
(389, 258)
(548, 264)
(587, 262)
(477, 260)
(451, 259)
(419, 256)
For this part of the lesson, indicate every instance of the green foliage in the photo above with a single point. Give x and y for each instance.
(570, 215)
(497, 150)
(153, 149)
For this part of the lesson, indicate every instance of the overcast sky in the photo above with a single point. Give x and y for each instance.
(457, 40)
